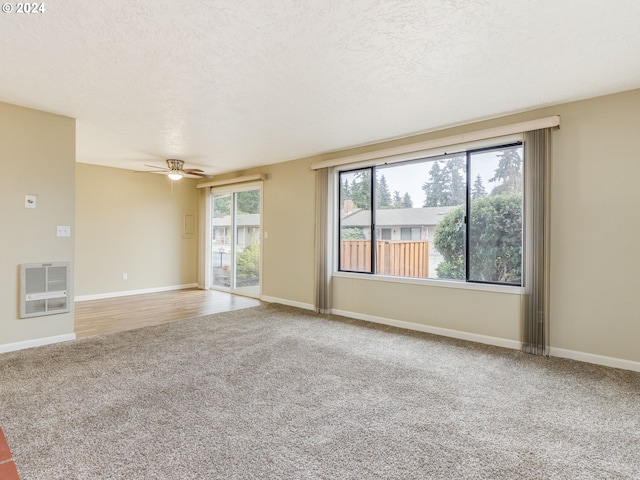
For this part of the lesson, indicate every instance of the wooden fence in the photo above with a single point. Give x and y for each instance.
(394, 257)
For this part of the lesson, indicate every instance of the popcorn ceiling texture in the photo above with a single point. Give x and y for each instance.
(232, 84)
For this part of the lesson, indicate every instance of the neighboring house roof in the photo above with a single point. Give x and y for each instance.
(243, 220)
(397, 217)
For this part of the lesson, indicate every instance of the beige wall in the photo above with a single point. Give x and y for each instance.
(132, 223)
(595, 308)
(595, 260)
(37, 153)
(288, 220)
(481, 313)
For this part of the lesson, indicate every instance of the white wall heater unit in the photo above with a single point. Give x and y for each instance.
(44, 289)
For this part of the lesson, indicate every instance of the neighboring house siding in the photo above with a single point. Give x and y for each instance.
(400, 223)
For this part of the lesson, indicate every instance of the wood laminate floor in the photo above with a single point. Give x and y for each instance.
(94, 317)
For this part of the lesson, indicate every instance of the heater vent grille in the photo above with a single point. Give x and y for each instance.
(44, 289)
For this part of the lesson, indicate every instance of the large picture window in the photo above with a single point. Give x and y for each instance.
(456, 217)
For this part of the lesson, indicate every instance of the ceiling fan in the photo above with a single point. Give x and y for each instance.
(175, 170)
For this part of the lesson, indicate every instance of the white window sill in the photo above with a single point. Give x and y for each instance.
(508, 289)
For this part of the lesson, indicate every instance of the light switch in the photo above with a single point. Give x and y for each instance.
(63, 231)
(29, 201)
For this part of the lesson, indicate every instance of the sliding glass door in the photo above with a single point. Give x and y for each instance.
(235, 239)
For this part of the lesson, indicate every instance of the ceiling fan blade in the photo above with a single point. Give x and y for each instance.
(159, 168)
(203, 175)
(176, 166)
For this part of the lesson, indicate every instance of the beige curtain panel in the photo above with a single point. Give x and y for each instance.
(536, 272)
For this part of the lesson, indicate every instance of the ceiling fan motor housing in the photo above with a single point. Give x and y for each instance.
(175, 165)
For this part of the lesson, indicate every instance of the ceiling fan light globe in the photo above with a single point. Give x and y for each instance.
(175, 175)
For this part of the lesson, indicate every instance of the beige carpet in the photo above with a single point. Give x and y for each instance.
(277, 392)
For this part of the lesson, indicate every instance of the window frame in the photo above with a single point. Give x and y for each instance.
(372, 224)
(467, 214)
(467, 151)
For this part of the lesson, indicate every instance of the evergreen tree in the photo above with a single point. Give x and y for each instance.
(383, 196)
(508, 172)
(446, 184)
(345, 191)
(361, 190)
(400, 201)
(478, 190)
(433, 188)
(454, 173)
(397, 200)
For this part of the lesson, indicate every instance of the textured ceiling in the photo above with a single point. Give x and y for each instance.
(227, 85)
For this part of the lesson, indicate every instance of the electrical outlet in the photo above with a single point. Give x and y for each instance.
(63, 231)
(124, 276)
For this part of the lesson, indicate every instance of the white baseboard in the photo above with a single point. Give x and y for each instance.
(445, 332)
(290, 303)
(38, 342)
(496, 341)
(595, 359)
(101, 296)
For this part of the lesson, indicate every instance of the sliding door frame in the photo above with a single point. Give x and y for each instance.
(232, 190)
